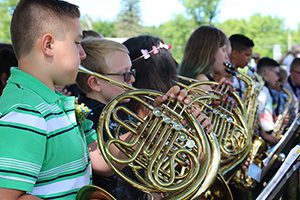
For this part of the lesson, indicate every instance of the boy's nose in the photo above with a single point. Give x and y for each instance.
(82, 54)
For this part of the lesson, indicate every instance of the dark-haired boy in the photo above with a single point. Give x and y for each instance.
(241, 52)
(267, 104)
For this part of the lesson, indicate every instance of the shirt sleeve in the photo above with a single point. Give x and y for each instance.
(22, 148)
(264, 110)
(89, 131)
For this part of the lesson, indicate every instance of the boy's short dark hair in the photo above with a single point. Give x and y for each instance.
(266, 62)
(32, 18)
(240, 42)
(295, 63)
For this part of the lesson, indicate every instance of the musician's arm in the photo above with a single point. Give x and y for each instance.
(11, 194)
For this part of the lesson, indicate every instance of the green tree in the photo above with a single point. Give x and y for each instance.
(176, 33)
(265, 31)
(106, 28)
(129, 20)
(294, 36)
(6, 9)
(202, 11)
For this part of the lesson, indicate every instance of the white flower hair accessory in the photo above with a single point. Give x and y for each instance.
(155, 50)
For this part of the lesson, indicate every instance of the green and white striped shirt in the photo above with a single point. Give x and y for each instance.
(43, 151)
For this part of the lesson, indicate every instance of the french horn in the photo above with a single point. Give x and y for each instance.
(251, 93)
(168, 150)
(229, 126)
(228, 120)
(241, 179)
(91, 192)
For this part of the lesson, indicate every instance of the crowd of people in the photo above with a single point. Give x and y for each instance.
(47, 153)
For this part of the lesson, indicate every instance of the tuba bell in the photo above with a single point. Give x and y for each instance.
(168, 151)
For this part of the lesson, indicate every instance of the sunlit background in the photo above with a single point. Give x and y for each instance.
(156, 12)
(272, 24)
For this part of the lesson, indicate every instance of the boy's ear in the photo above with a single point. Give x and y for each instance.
(47, 44)
(94, 83)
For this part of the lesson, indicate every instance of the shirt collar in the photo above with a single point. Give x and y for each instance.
(24, 79)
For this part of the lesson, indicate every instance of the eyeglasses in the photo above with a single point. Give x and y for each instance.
(295, 71)
(126, 75)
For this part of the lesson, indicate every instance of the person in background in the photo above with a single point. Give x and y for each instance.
(242, 47)
(7, 60)
(240, 56)
(293, 53)
(267, 105)
(279, 95)
(254, 60)
(293, 83)
(204, 55)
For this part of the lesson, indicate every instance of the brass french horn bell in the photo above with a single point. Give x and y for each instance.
(91, 192)
(168, 151)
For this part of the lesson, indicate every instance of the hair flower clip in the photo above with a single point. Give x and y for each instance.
(165, 46)
(145, 53)
(155, 50)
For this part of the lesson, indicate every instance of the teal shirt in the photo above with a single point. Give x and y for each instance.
(43, 151)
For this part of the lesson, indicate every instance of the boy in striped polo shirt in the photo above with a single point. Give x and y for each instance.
(44, 153)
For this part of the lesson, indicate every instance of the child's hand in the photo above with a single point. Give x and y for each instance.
(203, 120)
(176, 93)
(246, 163)
(269, 138)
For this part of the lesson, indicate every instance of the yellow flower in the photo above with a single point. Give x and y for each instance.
(81, 111)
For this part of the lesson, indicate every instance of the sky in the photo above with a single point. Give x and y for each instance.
(156, 12)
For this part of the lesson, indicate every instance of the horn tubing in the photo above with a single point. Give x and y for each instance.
(124, 86)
